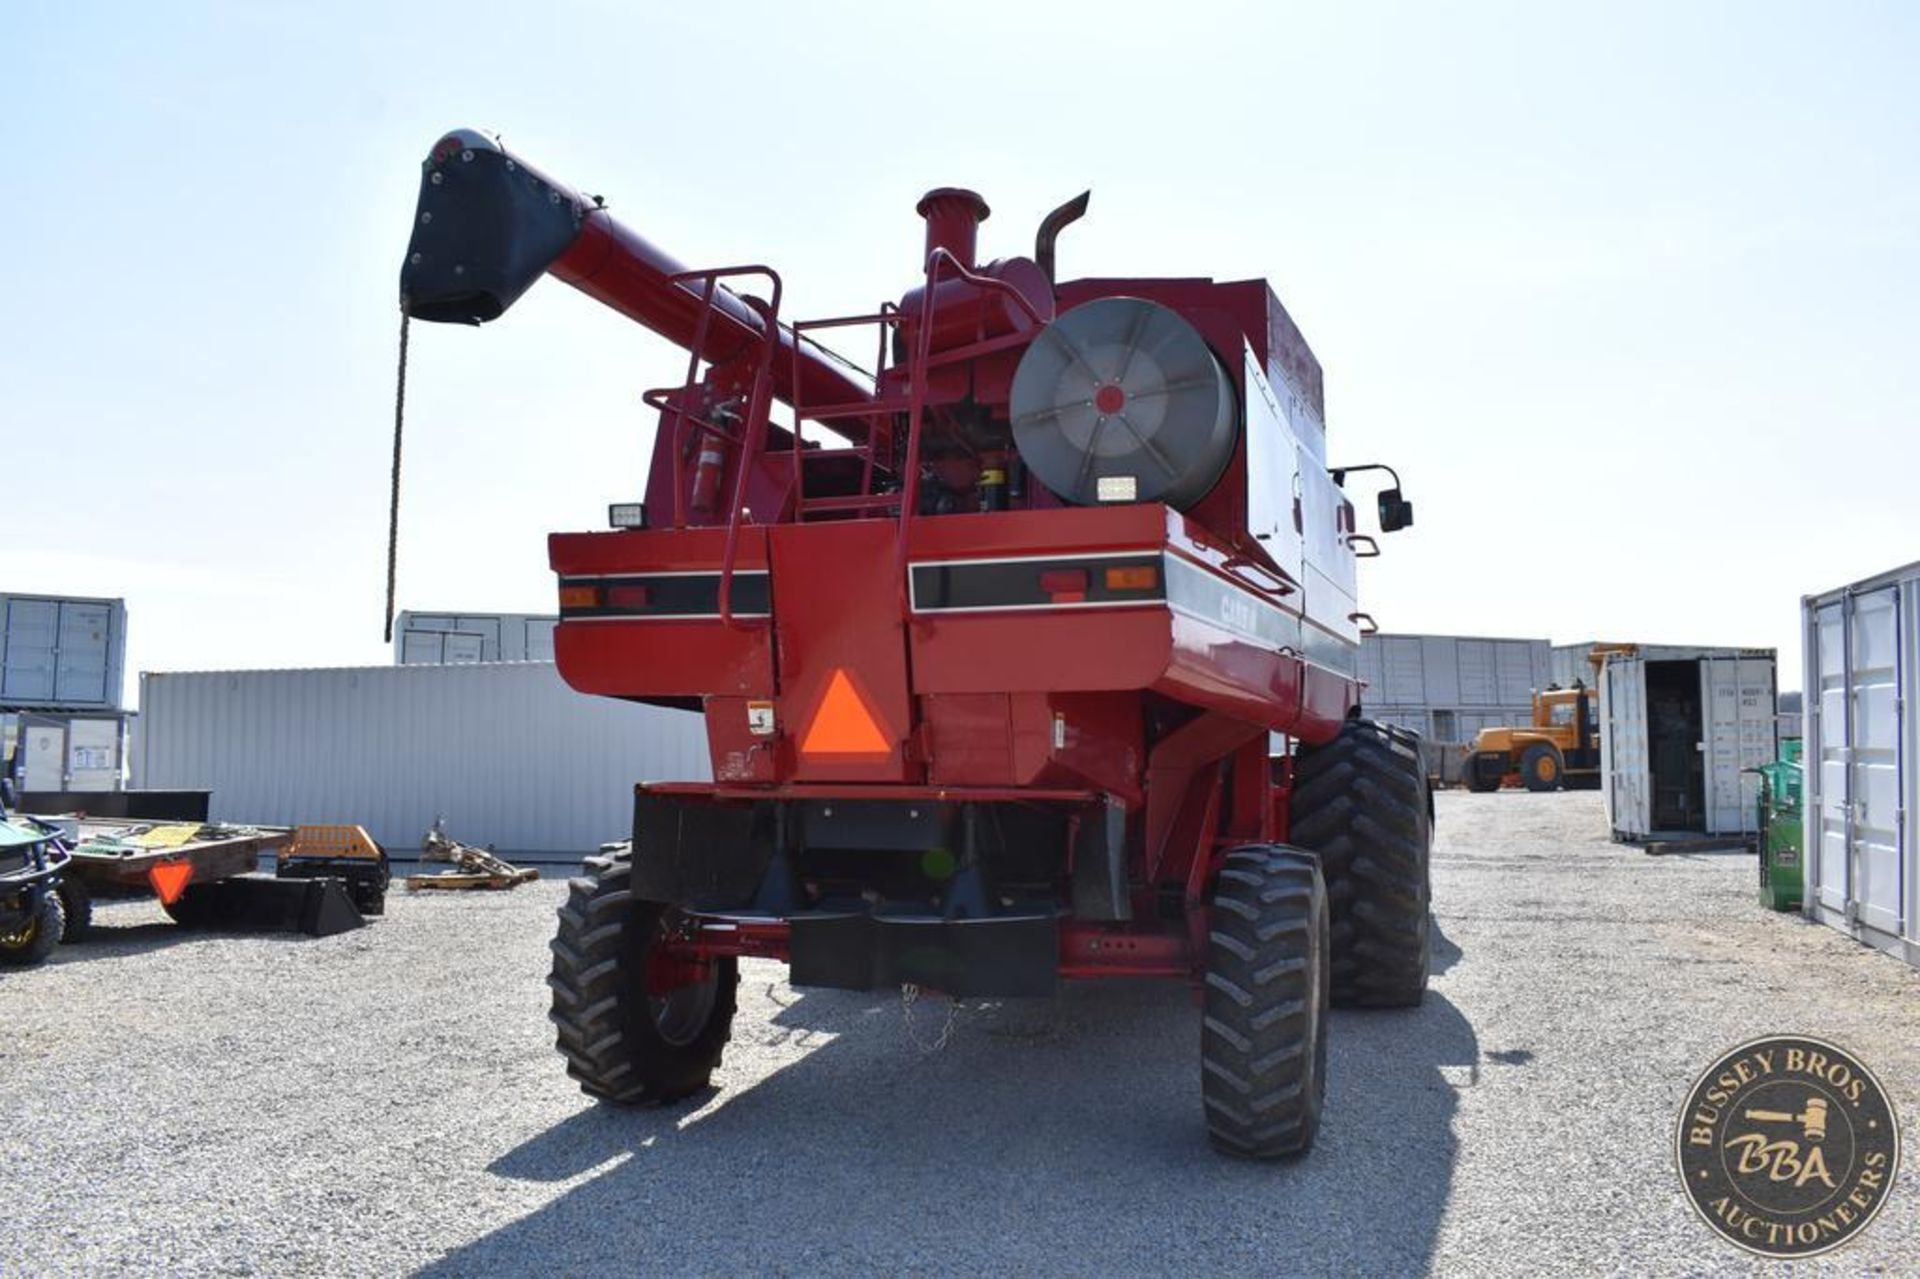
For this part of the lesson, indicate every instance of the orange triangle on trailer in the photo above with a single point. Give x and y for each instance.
(844, 724)
(169, 879)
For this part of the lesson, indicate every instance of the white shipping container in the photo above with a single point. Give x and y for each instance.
(1678, 737)
(61, 652)
(446, 638)
(506, 753)
(1862, 744)
(1457, 672)
(60, 752)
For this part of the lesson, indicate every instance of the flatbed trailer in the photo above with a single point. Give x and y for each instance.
(115, 864)
(206, 875)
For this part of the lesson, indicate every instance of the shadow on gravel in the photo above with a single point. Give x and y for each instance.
(123, 941)
(1444, 954)
(1047, 1136)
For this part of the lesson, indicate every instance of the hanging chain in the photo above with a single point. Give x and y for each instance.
(909, 996)
(393, 503)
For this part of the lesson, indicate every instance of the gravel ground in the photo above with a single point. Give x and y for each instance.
(388, 1100)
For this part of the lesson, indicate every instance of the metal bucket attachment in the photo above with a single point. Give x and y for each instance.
(260, 903)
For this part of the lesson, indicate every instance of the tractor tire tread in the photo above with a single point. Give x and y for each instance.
(1263, 1025)
(1361, 802)
(600, 1010)
(49, 922)
(76, 901)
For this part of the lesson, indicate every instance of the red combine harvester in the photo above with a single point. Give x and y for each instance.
(990, 642)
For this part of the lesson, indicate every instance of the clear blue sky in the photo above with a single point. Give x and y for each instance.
(1627, 292)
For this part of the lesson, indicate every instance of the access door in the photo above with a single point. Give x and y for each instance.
(1874, 764)
(1737, 699)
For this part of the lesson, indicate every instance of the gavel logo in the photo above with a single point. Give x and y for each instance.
(1812, 1120)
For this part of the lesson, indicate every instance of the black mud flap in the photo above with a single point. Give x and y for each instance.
(1012, 956)
(266, 904)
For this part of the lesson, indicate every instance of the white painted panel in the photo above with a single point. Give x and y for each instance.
(1405, 681)
(1370, 669)
(1479, 681)
(1737, 716)
(1827, 757)
(93, 754)
(1624, 756)
(45, 765)
(420, 646)
(505, 752)
(1513, 664)
(61, 652)
(1874, 759)
(1273, 472)
(32, 640)
(1440, 669)
(503, 637)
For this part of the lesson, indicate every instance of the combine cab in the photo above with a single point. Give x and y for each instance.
(991, 640)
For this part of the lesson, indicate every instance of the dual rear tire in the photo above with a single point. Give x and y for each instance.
(1362, 804)
(1340, 919)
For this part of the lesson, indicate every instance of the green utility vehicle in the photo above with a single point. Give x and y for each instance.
(1782, 838)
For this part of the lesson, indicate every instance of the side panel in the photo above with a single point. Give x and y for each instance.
(93, 754)
(1827, 772)
(1738, 699)
(86, 654)
(1440, 667)
(1874, 765)
(1479, 681)
(1514, 671)
(842, 659)
(1403, 671)
(1624, 748)
(1273, 471)
(46, 749)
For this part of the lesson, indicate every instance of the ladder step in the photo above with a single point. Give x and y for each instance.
(869, 502)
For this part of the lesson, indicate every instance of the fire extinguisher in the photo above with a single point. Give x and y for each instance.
(710, 462)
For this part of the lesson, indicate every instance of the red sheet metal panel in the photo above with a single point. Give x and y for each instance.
(844, 706)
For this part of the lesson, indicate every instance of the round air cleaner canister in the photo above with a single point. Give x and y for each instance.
(1121, 400)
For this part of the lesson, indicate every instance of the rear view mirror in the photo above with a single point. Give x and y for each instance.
(1396, 512)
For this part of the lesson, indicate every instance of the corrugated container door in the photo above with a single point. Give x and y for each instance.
(86, 633)
(32, 630)
(1440, 661)
(1827, 759)
(1479, 686)
(46, 750)
(1874, 683)
(1406, 683)
(1737, 696)
(1628, 771)
(421, 647)
(93, 754)
(1513, 659)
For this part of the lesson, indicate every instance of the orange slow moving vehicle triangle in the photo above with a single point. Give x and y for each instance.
(169, 880)
(843, 725)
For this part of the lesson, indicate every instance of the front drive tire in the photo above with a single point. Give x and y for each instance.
(1476, 781)
(621, 1043)
(1540, 768)
(1362, 803)
(1263, 1038)
(35, 939)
